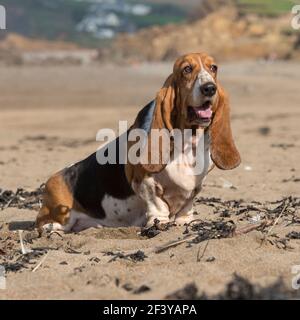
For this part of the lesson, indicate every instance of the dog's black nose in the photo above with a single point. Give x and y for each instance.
(208, 89)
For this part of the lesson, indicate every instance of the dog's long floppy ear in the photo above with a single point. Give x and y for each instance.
(223, 150)
(164, 105)
(160, 118)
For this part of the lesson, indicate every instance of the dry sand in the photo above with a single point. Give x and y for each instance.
(49, 118)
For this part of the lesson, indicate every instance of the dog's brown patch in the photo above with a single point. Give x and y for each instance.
(57, 202)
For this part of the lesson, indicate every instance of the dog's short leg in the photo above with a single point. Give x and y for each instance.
(186, 214)
(158, 210)
(57, 203)
(156, 207)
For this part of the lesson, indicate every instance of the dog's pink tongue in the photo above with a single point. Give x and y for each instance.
(207, 113)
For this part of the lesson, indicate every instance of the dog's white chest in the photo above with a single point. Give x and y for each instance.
(184, 175)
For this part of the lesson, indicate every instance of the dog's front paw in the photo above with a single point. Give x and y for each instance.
(182, 220)
(155, 228)
(156, 222)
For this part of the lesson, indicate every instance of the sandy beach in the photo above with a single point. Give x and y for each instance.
(49, 119)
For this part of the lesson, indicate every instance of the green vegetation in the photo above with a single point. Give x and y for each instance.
(270, 8)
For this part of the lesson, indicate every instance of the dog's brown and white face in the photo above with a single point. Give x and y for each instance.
(190, 98)
(195, 76)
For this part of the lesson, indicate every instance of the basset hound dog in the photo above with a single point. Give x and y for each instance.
(122, 193)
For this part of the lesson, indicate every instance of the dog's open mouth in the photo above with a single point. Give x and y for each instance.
(200, 114)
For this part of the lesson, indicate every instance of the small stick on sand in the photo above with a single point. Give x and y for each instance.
(41, 262)
(202, 255)
(23, 249)
(174, 243)
(250, 228)
(274, 224)
(276, 221)
(8, 203)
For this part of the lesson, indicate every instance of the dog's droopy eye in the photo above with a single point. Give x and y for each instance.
(214, 68)
(187, 69)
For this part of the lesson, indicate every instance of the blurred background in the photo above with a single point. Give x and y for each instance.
(81, 31)
(69, 68)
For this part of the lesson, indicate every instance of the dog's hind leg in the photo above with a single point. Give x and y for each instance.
(57, 204)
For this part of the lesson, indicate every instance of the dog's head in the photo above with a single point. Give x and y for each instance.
(195, 80)
(192, 98)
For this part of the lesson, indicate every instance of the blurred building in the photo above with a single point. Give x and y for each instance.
(105, 19)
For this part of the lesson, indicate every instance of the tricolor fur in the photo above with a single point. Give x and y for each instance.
(88, 194)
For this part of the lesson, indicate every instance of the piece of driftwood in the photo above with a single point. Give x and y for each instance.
(236, 232)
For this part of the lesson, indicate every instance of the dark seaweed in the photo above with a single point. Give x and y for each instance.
(21, 199)
(135, 257)
(238, 288)
(207, 230)
(154, 230)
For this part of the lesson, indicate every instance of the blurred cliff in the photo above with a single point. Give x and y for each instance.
(225, 33)
(86, 31)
